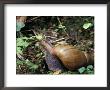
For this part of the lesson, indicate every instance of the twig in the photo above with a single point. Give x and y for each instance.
(33, 18)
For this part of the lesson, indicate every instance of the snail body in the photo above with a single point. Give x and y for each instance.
(70, 57)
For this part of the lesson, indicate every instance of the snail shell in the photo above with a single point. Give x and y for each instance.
(70, 57)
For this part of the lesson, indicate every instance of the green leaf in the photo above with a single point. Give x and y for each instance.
(19, 62)
(34, 67)
(21, 42)
(19, 25)
(19, 50)
(29, 63)
(82, 69)
(90, 67)
(87, 25)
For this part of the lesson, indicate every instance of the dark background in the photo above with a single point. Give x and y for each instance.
(2, 49)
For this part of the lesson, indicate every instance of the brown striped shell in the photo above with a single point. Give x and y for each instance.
(70, 57)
